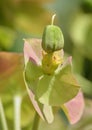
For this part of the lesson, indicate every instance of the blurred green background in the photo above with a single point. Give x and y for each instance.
(26, 19)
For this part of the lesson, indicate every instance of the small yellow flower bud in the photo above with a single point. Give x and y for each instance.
(51, 61)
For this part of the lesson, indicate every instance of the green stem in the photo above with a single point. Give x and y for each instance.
(3, 119)
(17, 112)
(36, 122)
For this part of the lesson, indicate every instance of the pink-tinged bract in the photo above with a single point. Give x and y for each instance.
(32, 50)
(74, 108)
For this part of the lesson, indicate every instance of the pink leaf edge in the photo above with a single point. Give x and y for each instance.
(68, 61)
(35, 104)
(75, 108)
(32, 98)
(30, 51)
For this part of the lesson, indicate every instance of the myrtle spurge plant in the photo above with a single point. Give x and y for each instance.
(48, 77)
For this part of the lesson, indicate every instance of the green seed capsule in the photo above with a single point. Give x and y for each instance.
(52, 39)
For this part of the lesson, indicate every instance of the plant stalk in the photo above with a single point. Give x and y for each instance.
(17, 112)
(3, 119)
(36, 122)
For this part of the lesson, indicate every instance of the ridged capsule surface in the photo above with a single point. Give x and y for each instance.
(52, 39)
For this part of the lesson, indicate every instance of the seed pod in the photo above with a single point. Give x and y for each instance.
(52, 39)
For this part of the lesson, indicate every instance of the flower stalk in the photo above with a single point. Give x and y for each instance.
(36, 122)
(17, 112)
(3, 119)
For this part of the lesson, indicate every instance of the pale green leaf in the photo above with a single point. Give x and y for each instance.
(42, 110)
(57, 89)
(36, 104)
(32, 74)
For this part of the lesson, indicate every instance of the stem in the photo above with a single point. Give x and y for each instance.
(3, 119)
(17, 112)
(36, 122)
(53, 17)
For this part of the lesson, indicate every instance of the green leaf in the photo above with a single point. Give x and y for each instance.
(36, 104)
(44, 111)
(32, 74)
(57, 89)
